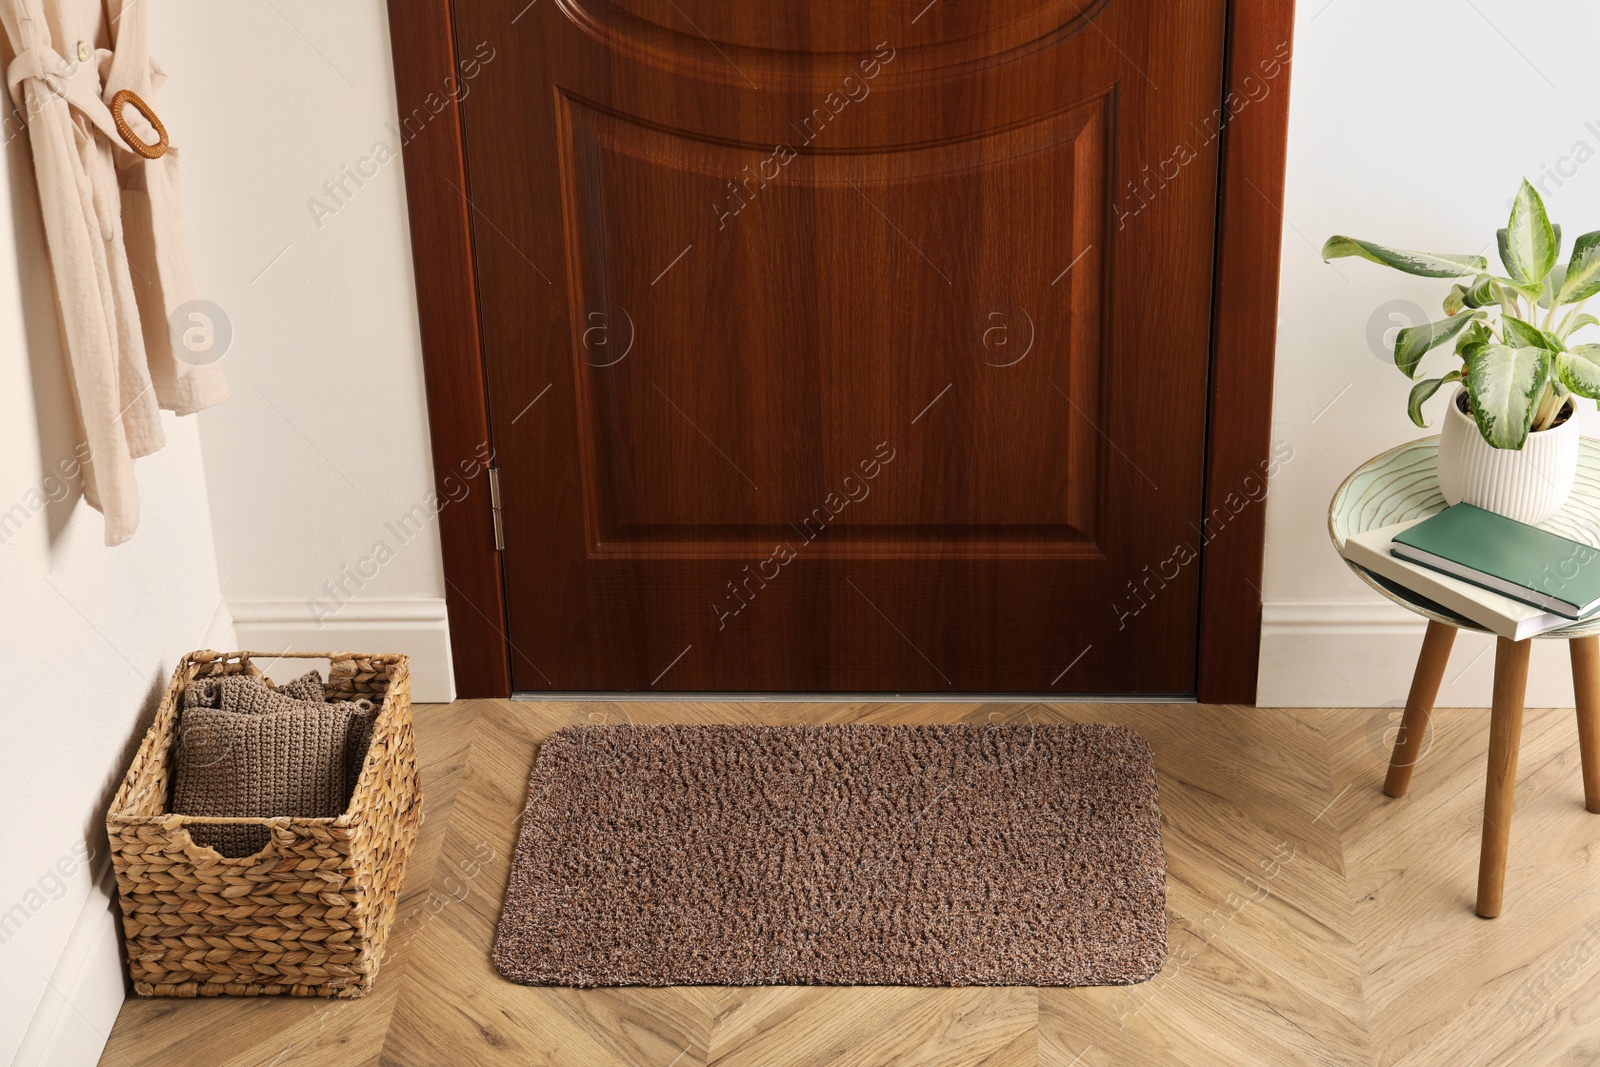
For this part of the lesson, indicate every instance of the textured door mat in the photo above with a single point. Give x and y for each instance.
(838, 855)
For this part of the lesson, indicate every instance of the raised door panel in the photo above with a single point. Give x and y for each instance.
(708, 433)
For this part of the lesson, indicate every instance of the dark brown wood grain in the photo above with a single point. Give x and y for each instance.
(847, 347)
(425, 70)
(1239, 447)
(622, 529)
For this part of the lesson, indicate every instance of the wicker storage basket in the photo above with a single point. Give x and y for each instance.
(307, 915)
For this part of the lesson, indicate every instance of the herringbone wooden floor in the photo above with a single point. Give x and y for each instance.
(1312, 921)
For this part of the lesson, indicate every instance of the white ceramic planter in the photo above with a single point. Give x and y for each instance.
(1528, 485)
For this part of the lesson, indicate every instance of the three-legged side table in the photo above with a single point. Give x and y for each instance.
(1402, 484)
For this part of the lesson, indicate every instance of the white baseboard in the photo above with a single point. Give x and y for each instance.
(80, 1005)
(417, 627)
(1343, 654)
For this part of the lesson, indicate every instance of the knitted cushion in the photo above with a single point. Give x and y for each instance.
(257, 700)
(360, 740)
(295, 763)
(306, 687)
(240, 692)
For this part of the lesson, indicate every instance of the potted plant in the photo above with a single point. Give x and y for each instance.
(1509, 443)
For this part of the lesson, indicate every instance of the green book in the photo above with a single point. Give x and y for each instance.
(1512, 558)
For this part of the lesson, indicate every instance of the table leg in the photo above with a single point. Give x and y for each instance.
(1505, 736)
(1586, 687)
(1419, 705)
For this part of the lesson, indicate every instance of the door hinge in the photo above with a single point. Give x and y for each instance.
(494, 506)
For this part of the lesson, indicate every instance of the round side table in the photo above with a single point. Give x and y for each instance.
(1403, 484)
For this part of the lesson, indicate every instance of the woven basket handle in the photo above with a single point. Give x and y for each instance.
(209, 662)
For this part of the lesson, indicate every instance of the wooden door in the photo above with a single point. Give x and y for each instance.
(847, 345)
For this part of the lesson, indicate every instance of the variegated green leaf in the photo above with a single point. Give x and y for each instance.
(1476, 334)
(1508, 285)
(1552, 286)
(1521, 334)
(1422, 391)
(1480, 293)
(1528, 244)
(1505, 384)
(1456, 299)
(1426, 264)
(1414, 342)
(1578, 322)
(1583, 270)
(1579, 370)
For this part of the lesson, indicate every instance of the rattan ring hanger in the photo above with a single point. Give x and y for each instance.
(148, 151)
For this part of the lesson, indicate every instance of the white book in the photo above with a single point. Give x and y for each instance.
(1496, 613)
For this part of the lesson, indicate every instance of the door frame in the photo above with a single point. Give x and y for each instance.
(1243, 342)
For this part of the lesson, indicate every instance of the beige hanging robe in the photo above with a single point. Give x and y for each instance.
(113, 222)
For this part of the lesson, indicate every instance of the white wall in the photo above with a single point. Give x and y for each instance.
(320, 453)
(88, 639)
(1410, 124)
(324, 447)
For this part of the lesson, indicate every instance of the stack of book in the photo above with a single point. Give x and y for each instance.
(1512, 579)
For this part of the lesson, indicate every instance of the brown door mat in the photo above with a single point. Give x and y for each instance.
(838, 855)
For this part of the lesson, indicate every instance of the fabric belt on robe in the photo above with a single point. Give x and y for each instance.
(113, 223)
(45, 64)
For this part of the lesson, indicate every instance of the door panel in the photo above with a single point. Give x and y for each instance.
(846, 346)
(647, 484)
